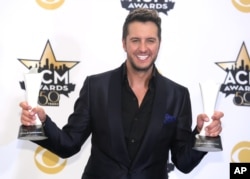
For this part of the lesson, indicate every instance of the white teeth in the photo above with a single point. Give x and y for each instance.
(142, 57)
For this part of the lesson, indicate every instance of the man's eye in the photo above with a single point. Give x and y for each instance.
(151, 40)
(135, 40)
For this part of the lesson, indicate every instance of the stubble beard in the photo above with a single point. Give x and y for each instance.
(142, 69)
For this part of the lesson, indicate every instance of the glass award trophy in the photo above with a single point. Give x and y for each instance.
(209, 92)
(32, 81)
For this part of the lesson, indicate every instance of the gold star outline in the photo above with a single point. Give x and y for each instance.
(48, 58)
(242, 61)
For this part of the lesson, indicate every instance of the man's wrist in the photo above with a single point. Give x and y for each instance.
(43, 121)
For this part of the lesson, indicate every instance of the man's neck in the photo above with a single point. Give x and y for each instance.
(139, 79)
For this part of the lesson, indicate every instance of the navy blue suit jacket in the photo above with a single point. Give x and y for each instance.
(97, 113)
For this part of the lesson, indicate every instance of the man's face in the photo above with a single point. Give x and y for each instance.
(142, 45)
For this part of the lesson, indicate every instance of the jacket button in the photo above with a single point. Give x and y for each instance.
(132, 140)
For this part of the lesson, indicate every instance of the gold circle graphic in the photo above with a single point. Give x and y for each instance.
(242, 5)
(241, 152)
(50, 4)
(48, 162)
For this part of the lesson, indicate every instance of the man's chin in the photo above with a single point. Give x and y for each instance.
(142, 69)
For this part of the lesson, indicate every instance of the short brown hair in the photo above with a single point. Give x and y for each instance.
(142, 15)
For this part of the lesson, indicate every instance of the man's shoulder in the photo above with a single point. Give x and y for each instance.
(106, 74)
(170, 83)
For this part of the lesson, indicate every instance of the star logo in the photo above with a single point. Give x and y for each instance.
(55, 76)
(48, 58)
(242, 61)
(237, 80)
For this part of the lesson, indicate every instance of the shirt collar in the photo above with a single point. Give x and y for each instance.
(151, 82)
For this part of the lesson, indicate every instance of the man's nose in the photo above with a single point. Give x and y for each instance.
(143, 46)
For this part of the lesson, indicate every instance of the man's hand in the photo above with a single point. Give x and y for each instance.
(214, 129)
(28, 115)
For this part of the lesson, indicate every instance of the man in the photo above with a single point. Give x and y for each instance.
(134, 115)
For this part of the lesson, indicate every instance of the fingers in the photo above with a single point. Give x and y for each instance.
(29, 115)
(41, 113)
(24, 105)
(217, 115)
(215, 128)
(201, 118)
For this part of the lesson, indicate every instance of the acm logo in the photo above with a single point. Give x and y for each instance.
(237, 81)
(56, 76)
(160, 5)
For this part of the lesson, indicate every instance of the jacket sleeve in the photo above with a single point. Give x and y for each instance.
(67, 141)
(183, 155)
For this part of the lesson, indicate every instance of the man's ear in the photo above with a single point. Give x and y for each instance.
(124, 45)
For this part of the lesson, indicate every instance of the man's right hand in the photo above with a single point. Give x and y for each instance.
(28, 114)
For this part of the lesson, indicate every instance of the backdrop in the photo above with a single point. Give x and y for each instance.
(69, 40)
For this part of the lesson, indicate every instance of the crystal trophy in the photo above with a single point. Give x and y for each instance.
(209, 92)
(32, 81)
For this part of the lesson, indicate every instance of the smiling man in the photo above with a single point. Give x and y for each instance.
(134, 115)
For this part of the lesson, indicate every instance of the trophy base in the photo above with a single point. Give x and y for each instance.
(34, 133)
(208, 144)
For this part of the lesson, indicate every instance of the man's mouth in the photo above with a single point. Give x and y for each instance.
(142, 57)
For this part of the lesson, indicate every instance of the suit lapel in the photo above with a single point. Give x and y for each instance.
(156, 122)
(115, 117)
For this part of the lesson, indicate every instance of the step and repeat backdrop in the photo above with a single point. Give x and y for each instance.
(201, 40)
